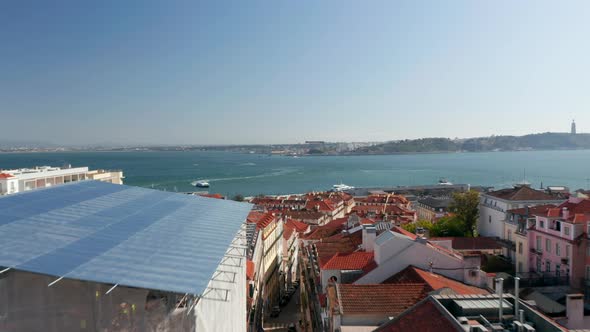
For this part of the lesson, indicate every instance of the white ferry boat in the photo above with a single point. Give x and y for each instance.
(201, 184)
(444, 182)
(341, 187)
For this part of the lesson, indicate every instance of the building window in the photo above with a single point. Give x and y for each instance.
(568, 249)
(541, 223)
(548, 245)
(547, 266)
(539, 243)
(587, 273)
(519, 249)
(557, 249)
(509, 237)
(566, 230)
(557, 270)
(538, 264)
(519, 270)
(490, 219)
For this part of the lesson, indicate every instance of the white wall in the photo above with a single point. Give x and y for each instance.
(493, 226)
(212, 314)
(399, 251)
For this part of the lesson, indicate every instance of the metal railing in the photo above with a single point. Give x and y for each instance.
(540, 279)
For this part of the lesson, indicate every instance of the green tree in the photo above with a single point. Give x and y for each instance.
(420, 223)
(465, 206)
(447, 226)
(238, 198)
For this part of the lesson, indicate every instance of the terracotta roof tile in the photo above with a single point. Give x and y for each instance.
(326, 251)
(261, 219)
(287, 232)
(521, 193)
(580, 218)
(412, 274)
(553, 212)
(250, 270)
(386, 299)
(218, 196)
(424, 317)
(5, 176)
(404, 232)
(533, 210)
(349, 261)
(297, 225)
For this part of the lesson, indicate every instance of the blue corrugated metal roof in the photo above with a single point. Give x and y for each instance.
(118, 234)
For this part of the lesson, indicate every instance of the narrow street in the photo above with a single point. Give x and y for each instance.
(290, 314)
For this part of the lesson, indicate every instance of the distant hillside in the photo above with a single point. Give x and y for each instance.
(545, 141)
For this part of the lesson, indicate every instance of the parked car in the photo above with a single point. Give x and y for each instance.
(276, 310)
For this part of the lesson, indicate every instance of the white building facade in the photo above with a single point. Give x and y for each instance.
(24, 179)
(494, 205)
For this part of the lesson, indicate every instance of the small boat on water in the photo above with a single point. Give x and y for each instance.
(201, 184)
(444, 182)
(341, 187)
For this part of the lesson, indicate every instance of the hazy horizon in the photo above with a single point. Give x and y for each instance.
(232, 73)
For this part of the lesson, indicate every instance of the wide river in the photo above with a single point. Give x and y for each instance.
(252, 174)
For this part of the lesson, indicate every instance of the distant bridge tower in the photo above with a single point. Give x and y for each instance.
(573, 127)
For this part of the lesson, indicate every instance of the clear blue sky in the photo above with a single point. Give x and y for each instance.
(190, 72)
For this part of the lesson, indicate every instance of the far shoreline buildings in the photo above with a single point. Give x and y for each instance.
(13, 181)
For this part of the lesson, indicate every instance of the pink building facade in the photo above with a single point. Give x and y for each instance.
(558, 243)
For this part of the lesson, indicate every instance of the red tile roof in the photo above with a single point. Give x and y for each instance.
(533, 210)
(385, 299)
(326, 251)
(287, 232)
(580, 218)
(218, 196)
(553, 212)
(522, 193)
(327, 230)
(320, 205)
(250, 270)
(5, 176)
(255, 216)
(424, 317)
(350, 261)
(404, 232)
(355, 238)
(261, 219)
(382, 199)
(304, 215)
(297, 225)
(412, 274)
(579, 210)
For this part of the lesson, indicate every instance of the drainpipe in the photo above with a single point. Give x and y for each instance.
(516, 281)
(500, 291)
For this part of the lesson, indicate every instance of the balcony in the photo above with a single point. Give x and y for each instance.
(492, 207)
(536, 251)
(565, 261)
(507, 244)
(542, 279)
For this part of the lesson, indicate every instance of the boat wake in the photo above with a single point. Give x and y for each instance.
(265, 175)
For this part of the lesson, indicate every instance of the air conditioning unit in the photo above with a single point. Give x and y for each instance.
(528, 328)
(473, 273)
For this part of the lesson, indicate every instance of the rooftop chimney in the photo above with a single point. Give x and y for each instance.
(565, 213)
(575, 311)
(369, 236)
